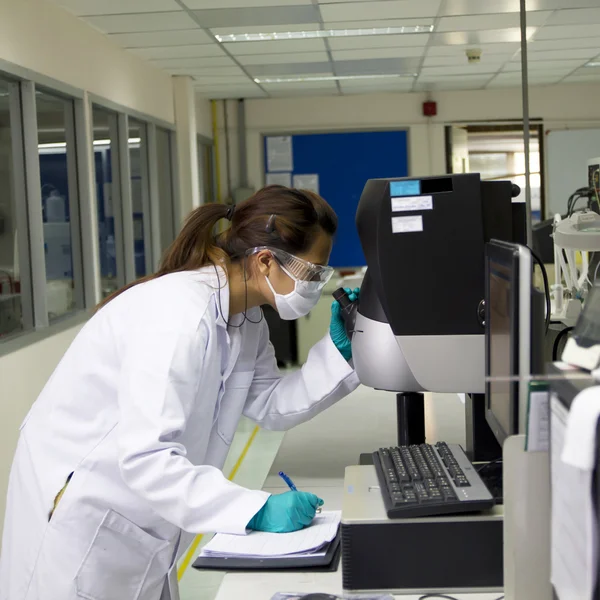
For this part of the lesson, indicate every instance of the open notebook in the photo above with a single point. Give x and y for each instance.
(313, 541)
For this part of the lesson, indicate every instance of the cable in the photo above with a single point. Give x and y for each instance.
(557, 342)
(488, 465)
(575, 202)
(596, 273)
(546, 287)
(262, 314)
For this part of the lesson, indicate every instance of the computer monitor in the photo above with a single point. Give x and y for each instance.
(514, 336)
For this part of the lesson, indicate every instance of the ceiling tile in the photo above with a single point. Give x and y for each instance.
(577, 54)
(199, 72)
(557, 32)
(377, 89)
(161, 38)
(230, 91)
(304, 92)
(580, 16)
(241, 48)
(295, 69)
(545, 65)
(190, 63)
(301, 85)
(272, 59)
(490, 36)
(492, 21)
(478, 7)
(386, 9)
(222, 79)
(83, 8)
(248, 17)
(142, 22)
(377, 53)
(224, 4)
(514, 80)
(579, 77)
(448, 77)
(379, 66)
(487, 49)
(396, 84)
(175, 67)
(566, 44)
(379, 41)
(465, 70)
(379, 23)
(458, 83)
(264, 28)
(195, 51)
(494, 60)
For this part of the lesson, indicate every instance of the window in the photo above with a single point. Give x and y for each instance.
(497, 153)
(105, 148)
(138, 160)
(166, 196)
(10, 286)
(206, 171)
(58, 176)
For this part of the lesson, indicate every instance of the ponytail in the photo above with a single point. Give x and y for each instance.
(194, 247)
(276, 216)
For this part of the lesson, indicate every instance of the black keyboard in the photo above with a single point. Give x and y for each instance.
(427, 480)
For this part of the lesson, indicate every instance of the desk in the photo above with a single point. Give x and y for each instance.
(262, 586)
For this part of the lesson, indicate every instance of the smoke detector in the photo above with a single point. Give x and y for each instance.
(473, 55)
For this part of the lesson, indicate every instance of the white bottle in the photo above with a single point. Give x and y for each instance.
(55, 208)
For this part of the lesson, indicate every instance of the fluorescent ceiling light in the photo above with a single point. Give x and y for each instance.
(320, 33)
(330, 78)
(592, 64)
(96, 143)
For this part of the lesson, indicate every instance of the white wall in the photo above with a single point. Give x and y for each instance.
(43, 38)
(23, 374)
(39, 35)
(561, 107)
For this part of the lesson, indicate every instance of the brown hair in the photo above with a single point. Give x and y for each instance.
(277, 216)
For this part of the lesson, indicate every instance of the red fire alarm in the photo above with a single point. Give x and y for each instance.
(429, 109)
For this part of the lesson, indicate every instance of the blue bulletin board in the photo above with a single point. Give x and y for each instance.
(344, 162)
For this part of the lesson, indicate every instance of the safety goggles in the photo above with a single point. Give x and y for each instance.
(298, 268)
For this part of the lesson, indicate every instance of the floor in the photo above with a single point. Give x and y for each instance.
(315, 454)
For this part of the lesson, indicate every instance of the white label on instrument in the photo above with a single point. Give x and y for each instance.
(412, 203)
(407, 224)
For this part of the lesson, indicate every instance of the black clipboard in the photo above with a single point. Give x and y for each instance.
(327, 563)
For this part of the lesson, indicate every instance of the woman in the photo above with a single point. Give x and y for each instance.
(118, 462)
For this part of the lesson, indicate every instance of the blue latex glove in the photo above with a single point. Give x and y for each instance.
(337, 329)
(286, 512)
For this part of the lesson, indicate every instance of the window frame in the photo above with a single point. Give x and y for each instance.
(22, 84)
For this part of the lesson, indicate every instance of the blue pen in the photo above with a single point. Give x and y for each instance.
(288, 481)
(291, 485)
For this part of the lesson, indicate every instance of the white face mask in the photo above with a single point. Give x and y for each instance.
(299, 302)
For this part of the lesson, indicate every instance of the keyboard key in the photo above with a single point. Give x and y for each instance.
(448, 494)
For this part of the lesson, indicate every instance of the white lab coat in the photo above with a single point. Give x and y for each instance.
(142, 410)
